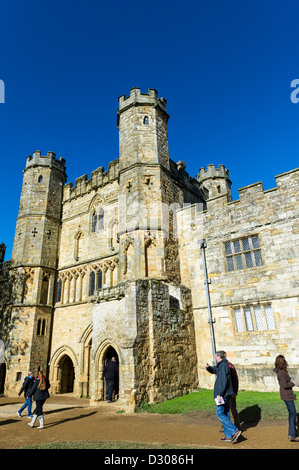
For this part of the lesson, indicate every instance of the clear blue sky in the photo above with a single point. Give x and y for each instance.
(225, 69)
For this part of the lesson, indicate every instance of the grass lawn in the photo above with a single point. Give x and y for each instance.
(252, 406)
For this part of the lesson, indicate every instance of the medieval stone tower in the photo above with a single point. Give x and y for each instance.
(111, 266)
(34, 257)
(97, 270)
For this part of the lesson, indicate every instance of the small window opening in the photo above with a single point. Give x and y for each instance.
(59, 291)
(18, 376)
(146, 121)
(40, 179)
(219, 189)
(92, 281)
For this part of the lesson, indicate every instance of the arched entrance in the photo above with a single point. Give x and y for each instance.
(67, 374)
(109, 354)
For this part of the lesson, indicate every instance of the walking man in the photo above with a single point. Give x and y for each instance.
(27, 384)
(110, 375)
(223, 390)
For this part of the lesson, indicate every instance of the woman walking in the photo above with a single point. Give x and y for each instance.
(286, 394)
(40, 392)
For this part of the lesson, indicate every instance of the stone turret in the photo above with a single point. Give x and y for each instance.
(142, 123)
(216, 181)
(36, 239)
(34, 263)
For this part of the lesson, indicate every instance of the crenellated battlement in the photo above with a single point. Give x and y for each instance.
(285, 181)
(211, 173)
(45, 160)
(98, 178)
(137, 98)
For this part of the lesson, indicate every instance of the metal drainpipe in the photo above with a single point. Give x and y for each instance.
(207, 281)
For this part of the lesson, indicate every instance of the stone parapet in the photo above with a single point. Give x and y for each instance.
(83, 185)
(137, 98)
(48, 160)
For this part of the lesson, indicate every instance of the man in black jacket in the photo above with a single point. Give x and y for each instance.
(110, 375)
(223, 390)
(27, 384)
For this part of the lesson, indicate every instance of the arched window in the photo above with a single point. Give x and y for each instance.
(78, 245)
(99, 280)
(92, 282)
(94, 221)
(40, 179)
(101, 219)
(146, 121)
(44, 291)
(39, 322)
(41, 327)
(27, 289)
(59, 290)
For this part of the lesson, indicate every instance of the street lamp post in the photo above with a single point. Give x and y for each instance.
(207, 281)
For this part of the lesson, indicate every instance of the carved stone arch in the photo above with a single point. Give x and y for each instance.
(96, 211)
(87, 333)
(149, 238)
(99, 361)
(128, 245)
(97, 202)
(113, 238)
(60, 352)
(152, 267)
(78, 244)
(27, 284)
(85, 361)
(63, 370)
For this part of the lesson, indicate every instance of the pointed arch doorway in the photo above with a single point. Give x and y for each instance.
(67, 374)
(109, 354)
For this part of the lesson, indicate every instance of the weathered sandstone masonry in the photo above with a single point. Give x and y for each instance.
(112, 266)
(256, 304)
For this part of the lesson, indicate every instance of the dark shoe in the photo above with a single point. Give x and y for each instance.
(294, 439)
(236, 436)
(225, 439)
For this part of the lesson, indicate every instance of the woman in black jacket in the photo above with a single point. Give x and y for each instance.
(40, 392)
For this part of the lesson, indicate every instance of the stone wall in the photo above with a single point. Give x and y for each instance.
(151, 328)
(273, 218)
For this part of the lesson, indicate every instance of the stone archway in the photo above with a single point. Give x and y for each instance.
(67, 374)
(109, 353)
(62, 371)
(104, 353)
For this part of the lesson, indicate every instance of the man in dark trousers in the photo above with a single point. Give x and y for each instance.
(110, 375)
(223, 390)
(27, 384)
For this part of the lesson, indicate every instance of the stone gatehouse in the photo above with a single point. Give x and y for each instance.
(112, 266)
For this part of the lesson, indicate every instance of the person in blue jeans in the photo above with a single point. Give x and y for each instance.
(287, 394)
(27, 384)
(223, 390)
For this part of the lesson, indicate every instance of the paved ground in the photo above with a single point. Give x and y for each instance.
(71, 419)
